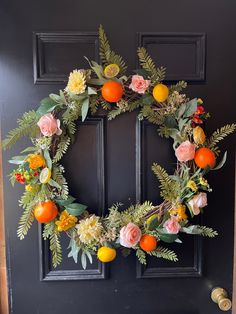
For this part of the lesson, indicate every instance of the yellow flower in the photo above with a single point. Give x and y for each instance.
(179, 212)
(36, 161)
(199, 135)
(203, 182)
(192, 185)
(66, 221)
(77, 82)
(200, 101)
(28, 188)
(89, 229)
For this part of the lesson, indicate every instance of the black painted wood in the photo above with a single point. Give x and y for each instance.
(110, 161)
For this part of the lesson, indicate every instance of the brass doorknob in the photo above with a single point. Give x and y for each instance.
(220, 296)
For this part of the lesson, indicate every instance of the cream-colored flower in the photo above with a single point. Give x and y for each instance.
(89, 229)
(77, 82)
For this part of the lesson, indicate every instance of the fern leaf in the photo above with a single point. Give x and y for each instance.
(220, 134)
(105, 105)
(161, 174)
(165, 253)
(107, 55)
(55, 248)
(48, 230)
(156, 74)
(207, 232)
(152, 116)
(178, 87)
(62, 148)
(141, 256)
(57, 176)
(94, 103)
(27, 127)
(25, 222)
(114, 113)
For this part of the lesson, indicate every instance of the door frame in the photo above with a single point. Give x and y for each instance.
(4, 306)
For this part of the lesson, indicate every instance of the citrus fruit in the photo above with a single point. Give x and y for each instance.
(45, 175)
(106, 254)
(151, 218)
(45, 211)
(111, 70)
(160, 92)
(205, 157)
(112, 91)
(148, 243)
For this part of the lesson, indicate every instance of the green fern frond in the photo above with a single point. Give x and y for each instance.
(161, 174)
(220, 134)
(114, 113)
(55, 248)
(62, 148)
(134, 105)
(107, 55)
(48, 229)
(105, 105)
(178, 87)
(165, 253)
(141, 256)
(27, 127)
(94, 104)
(25, 221)
(152, 116)
(207, 232)
(156, 74)
(57, 176)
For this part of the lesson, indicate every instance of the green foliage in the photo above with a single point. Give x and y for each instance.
(105, 105)
(55, 247)
(156, 74)
(107, 55)
(114, 113)
(141, 256)
(152, 116)
(48, 230)
(94, 104)
(57, 176)
(220, 134)
(178, 87)
(200, 230)
(165, 253)
(136, 213)
(62, 148)
(27, 127)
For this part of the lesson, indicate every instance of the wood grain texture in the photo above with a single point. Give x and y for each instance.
(3, 269)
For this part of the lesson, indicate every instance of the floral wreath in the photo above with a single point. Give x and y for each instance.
(141, 227)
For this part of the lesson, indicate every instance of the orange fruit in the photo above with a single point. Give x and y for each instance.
(160, 92)
(45, 211)
(205, 157)
(148, 243)
(112, 91)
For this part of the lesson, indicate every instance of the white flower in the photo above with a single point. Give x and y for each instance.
(197, 202)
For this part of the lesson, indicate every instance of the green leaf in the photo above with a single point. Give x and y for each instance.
(91, 91)
(17, 160)
(83, 260)
(66, 202)
(48, 158)
(54, 184)
(221, 163)
(167, 237)
(182, 123)
(74, 250)
(55, 98)
(46, 105)
(29, 149)
(181, 111)
(170, 122)
(84, 109)
(191, 107)
(147, 99)
(75, 209)
(153, 224)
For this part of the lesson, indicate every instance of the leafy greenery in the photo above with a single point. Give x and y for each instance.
(48, 230)
(164, 253)
(200, 230)
(55, 247)
(27, 127)
(107, 55)
(220, 134)
(62, 148)
(156, 74)
(141, 256)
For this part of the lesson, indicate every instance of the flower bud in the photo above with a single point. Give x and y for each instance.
(199, 135)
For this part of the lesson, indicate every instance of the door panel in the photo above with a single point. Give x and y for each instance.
(41, 42)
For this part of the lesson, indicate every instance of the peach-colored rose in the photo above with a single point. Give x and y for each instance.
(185, 151)
(49, 125)
(139, 84)
(172, 226)
(130, 235)
(197, 202)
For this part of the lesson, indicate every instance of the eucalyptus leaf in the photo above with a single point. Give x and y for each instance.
(74, 250)
(191, 107)
(147, 99)
(95, 81)
(170, 122)
(63, 98)
(29, 149)
(66, 202)
(54, 184)
(221, 163)
(90, 258)
(75, 209)
(85, 108)
(48, 158)
(168, 238)
(91, 91)
(55, 98)
(182, 123)
(46, 105)
(83, 260)
(181, 110)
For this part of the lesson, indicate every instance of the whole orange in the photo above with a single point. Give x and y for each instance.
(148, 243)
(205, 157)
(112, 91)
(45, 211)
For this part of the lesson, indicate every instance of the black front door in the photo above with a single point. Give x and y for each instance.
(41, 42)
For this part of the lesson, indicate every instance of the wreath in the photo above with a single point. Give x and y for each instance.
(141, 227)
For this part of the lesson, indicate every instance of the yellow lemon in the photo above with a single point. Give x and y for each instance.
(106, 254)
(151, 218)
(160, 92)
(45, 175)
(111, 70)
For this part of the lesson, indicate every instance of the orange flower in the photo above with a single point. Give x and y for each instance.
(36, 161)
(66, 221)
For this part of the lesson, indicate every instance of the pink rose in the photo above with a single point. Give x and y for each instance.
(49, 125)
(197, 202)
(172, 225)
(139, 84)
(185, 151)
(130, 235)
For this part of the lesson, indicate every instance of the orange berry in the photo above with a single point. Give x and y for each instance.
(205, 157)
(112, 91)
(148, 243)
(45, 211)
